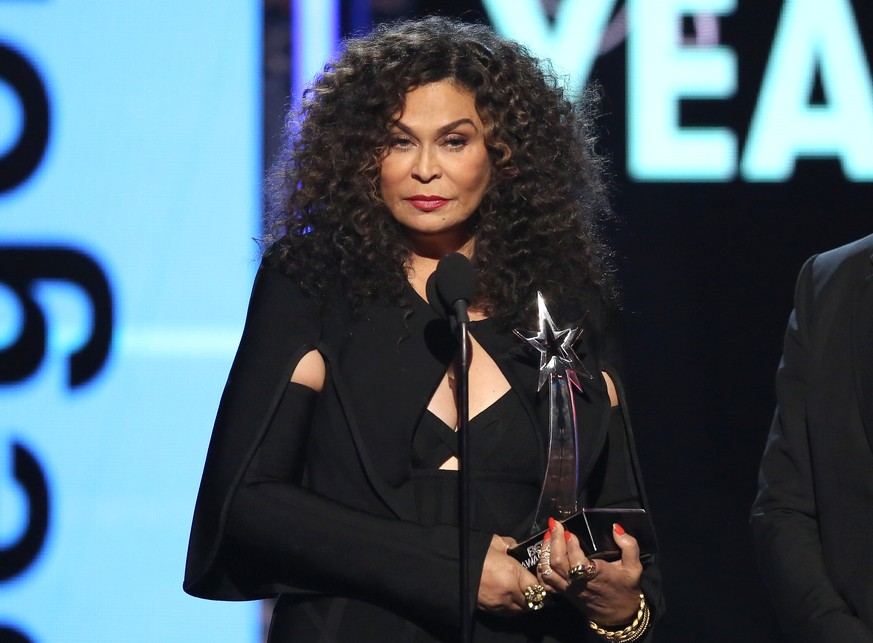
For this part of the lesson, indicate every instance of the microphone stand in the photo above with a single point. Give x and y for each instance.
(452, 284)
(464, 499)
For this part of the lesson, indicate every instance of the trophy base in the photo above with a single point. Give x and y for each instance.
(593, 528)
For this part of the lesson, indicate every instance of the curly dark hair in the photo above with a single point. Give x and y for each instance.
(537, 225)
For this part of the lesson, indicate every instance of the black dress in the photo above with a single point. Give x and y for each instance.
(504, 463)
(320, 501)
(505, 484)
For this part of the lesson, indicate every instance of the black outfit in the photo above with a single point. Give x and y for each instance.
(334, 501)
(504, 465)
(811, 520)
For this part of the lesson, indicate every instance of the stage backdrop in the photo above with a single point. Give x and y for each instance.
(130, 164)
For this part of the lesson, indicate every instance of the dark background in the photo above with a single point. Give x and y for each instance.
(708, 272)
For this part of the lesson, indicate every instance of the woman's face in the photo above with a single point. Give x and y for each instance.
(437, 167)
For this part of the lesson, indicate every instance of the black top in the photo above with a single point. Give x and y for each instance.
(504, 462)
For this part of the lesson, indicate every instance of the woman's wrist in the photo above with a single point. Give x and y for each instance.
(633, 632)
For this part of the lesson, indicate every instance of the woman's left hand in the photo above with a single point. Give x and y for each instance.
(612, 595)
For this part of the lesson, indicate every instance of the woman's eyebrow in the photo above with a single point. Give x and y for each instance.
(445, 129)
(442, 131)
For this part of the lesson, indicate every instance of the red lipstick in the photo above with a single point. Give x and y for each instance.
(426, 202)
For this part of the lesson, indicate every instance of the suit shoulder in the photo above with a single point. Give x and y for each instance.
(844, 261)
(829, 280)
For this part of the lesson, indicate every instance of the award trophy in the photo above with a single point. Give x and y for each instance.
(561, 368)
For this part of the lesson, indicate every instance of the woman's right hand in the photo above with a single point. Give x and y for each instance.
(503, 581)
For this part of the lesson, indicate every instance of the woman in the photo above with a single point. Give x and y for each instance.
(331, 475)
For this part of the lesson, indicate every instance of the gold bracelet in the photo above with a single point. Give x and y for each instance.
(632, 632)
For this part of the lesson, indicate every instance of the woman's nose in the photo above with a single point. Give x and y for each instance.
(426, 167)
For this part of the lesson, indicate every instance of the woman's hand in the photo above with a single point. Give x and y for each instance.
(612, 595)
(504, 580)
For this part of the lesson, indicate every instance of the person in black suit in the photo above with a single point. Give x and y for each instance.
(811, 520)
(331, 476)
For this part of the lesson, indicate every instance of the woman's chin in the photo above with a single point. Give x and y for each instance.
(438, 242)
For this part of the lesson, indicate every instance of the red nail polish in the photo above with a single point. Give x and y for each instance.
(567, 536)
(618, 529)
(547, 537)
(551, 524)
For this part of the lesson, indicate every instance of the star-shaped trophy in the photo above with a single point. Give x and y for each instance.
(561, 368)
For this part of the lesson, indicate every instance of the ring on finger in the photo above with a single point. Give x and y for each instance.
(584, 572)
(544, 566)
(546, 553)
(534, 595)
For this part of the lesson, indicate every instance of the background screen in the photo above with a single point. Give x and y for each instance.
(129, 194)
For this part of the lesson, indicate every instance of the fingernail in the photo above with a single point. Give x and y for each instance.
(618, 529)
(551, 524)
(547, 537)
(567, 536)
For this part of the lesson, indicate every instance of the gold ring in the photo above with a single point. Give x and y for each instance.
(534, 595)
(544, 568)
(583, 572)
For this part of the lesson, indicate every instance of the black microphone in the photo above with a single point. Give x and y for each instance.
(450, 288)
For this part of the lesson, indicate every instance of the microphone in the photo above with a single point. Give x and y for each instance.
(450, 288)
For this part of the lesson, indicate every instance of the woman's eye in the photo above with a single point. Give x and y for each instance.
(400, 143)
(456, 142)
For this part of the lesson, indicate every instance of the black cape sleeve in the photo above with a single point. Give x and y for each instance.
(253, 538)
(282, 324)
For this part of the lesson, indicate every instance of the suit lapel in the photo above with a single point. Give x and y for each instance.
(862, 352)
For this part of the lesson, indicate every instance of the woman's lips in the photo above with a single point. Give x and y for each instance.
(426, 202)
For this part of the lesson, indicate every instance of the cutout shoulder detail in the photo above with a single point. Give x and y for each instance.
(310, 371)
(610, 388)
